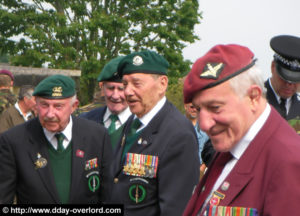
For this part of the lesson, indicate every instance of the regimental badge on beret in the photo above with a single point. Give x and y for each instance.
(137, 60)
(212, 70)
(57, 91)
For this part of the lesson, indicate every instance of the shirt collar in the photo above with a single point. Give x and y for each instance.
(25, 117)
(149, 116)
(123, 116)
(243, 144)
(67, 132)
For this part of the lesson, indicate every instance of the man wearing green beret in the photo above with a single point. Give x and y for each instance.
(55, 158)
(116, 112)
(156, 164)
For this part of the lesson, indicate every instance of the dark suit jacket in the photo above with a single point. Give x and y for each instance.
(19, 148)
(170, 137)
(294, 111)
(95, 114)
(266, 177)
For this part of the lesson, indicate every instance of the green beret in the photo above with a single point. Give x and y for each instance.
(55, 87)
(143, 62)
(109, 72)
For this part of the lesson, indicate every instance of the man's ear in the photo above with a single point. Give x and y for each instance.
(254, 94)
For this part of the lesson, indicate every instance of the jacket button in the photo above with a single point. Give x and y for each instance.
(116, 180)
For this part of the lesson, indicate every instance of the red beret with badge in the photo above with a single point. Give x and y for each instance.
(219, 64)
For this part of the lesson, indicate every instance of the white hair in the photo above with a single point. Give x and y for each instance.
(242, 82)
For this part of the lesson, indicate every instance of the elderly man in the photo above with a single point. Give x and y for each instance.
(156, 165)
(256, 168)
(7, 98)
(21, 111)
(55, 158)
(116, 112)
(282, 86)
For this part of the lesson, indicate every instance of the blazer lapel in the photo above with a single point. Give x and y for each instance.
(39, 149)
(78, 158)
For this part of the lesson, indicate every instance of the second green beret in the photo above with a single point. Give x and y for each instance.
(143, 62)
(109, 71)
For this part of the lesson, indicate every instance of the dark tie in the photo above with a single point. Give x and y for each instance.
(112, 126)
(283, 107)
(212, 177)
(60, 138)
(134, 126)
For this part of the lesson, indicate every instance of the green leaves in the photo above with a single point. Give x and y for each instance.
(77, 34)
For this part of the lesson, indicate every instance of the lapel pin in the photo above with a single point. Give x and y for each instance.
(79, 153)
(225, 186)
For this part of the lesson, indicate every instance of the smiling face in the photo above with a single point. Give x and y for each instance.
(114, 97)
(283, 88)
(223, 115)
(54, 114)
(143, 91)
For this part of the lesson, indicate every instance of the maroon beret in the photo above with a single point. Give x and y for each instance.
(7, 72)
(219, 64)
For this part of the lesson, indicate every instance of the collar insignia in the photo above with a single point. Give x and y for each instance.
(212, 70)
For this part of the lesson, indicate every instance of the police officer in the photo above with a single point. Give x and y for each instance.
(285, 79)
(116, 112)
(55, 158)
(7, 98)
(156, 165)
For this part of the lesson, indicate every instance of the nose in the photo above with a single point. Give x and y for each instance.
(128, 90)
(206, 121)
(50, 112)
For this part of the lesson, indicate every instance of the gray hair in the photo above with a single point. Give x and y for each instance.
(25, 91)
(242, 82)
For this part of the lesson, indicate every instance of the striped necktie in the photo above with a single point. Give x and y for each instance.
(60, 139)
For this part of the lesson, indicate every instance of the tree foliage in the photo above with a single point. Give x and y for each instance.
(85, 34)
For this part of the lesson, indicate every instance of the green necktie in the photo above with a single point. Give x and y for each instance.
(60, 138)
(133, 127)
(112, 126)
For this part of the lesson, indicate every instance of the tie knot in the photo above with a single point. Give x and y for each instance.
(60, 136)
(136, 124)
(223, 158)
(113, 117)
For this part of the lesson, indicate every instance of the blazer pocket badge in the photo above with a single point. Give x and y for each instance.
(93, 180)
(140, 165)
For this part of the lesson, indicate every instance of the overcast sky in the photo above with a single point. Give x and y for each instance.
(251, 23)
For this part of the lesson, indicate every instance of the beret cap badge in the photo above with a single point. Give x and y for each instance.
(212, 70)
(137, 60)
(57, 91)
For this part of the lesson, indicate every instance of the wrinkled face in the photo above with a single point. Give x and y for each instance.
(143, 91)
(223, 115)
(54, 114)
(114, 97)
(283, 89)
(190, 110)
